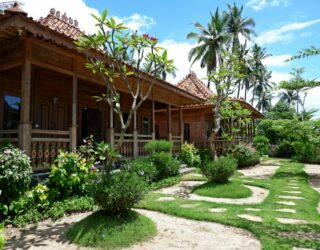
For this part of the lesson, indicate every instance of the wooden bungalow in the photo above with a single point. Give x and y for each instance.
(46, 94)
(198, 118)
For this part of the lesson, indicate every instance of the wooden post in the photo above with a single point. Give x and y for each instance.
(135, 136)
(111, 128)
(181, 126)
(24, 140)
(169, 123)
(73, 129)
(153, 121)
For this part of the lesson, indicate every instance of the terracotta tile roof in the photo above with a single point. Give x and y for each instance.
(195, 86)
(62, 24)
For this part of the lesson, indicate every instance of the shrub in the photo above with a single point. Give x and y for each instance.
(306, 152)
(165, 164)
(219, 170)
(35, 199)
(118, 191)
(261, 143)
(70, 175)
(1, 237)
(205, 155)
(189, 155)
(144, 168)
(159, 146)
(15, 173)
(245, 155)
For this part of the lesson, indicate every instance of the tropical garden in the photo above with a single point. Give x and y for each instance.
(97, 179)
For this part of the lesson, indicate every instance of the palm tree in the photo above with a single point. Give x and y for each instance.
(258, 54)
(238, 26)
(263, 85)
(211, 42)
(289, 96)
(264, 102)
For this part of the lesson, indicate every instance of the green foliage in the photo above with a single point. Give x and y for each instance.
(245, 155)
(165, 164)
(35, 199)
(205, 155)
(261, 143)
(70, 205)
(106, 231)
(158, 146)
(70, 175)
(2, 241)
(144, 168)
(15, 173)
(167, 182)
(118, 191)
(189, 155)
(306, 152)
(282, 110)
(219, 170)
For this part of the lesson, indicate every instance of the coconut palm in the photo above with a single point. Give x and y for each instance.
(263, 85)
(264, 102)
(289, 96)
(238, 26)
(211, 42)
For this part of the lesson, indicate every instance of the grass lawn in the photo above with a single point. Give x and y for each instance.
(231, 189)
(109, 232)
(271, 233)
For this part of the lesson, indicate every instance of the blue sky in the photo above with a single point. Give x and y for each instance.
(282, 26)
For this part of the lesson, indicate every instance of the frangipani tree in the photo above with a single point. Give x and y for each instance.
(298, 85)
(124, 56)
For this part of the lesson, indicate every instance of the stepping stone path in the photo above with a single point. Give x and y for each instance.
(166, 199)
(247, 180)
(293, 187)
(291, 221)
(250, 217)
(291, 197)
(286, 210)
(292, 192)
(189, 205)
(288, 203)
(253, 209)
(217, 210)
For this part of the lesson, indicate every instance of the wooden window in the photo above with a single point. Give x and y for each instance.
(145, 126)
(11, 112)
(187, 132)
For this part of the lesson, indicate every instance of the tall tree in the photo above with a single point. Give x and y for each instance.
(123, 58)
(211, 42)
(264, 102)
(238, 26)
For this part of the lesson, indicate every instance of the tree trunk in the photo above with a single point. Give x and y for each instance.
(216, 127)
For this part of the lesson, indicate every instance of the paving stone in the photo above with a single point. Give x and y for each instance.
(250, 217)
(293, 187)
(291, 221)
(166, 199)
(292, 192)
(218, 210)
(286, 210)
(290, 197)
(288, 203)
(189, 205)
(247, 180)
(253, 209)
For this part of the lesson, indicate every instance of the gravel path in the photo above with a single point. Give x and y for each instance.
(179, 233)
(259, 171)
(314, 177)
(173, 233)
(184, 189)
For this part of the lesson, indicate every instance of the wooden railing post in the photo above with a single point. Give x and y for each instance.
(73, 129)
(181, 126)
(111, 128)
(24, 140)
(135, 136)
(153, 121)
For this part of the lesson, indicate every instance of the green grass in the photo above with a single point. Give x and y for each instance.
(193, 177)
(104, 231)
(271, 233)
(231, 189)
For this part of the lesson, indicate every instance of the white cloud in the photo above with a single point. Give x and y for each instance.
(79, 10)
(138, 22)
(279, 76)
(178, 51)
(285, 33)
(278, 61)
(261, 4)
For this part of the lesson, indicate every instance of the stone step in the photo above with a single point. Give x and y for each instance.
(183, 166)
(183, 171)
